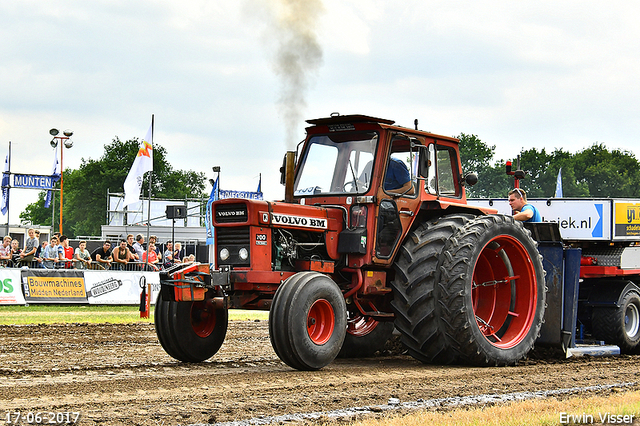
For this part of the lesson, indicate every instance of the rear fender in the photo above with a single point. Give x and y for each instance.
(608, 293)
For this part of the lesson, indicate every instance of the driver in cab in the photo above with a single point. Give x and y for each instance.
(398, 179)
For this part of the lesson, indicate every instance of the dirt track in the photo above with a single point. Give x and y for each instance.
(119, 375)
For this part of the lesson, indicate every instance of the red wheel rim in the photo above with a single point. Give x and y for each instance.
(359, 325)
(504, 300)
(203, 318)
(320, 322)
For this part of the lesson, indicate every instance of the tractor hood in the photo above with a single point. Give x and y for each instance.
(234, 212)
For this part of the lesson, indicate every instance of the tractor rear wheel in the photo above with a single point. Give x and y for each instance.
(307, 321)
(364, 336)
(415, 289)
(620, 326)
(190, 331)
(492, 291)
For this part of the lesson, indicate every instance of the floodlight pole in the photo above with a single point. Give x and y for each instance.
(64, 142)
(53, 210)
(61, 183)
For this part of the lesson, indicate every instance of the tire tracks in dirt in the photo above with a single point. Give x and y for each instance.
(119, 375)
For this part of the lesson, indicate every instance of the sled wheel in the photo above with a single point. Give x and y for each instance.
(307, 321)
(620, 326)
(416, 292)
(494, 291)
(190, 331)
(364, 336)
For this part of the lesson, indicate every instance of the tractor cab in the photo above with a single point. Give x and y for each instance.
(360, 155)
(380, 174)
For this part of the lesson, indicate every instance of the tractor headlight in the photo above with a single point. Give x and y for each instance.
(243, 253)
(224, 254)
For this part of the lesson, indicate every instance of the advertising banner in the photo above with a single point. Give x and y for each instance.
(34, 181)
(627, 219)
(118, 287)
(249, 195)
(10, 291)
(50, 286)
(578, 219)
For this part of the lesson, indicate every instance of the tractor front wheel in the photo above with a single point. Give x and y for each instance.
(190, 331)
(307, 321)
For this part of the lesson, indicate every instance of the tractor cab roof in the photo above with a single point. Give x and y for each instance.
(337, 122)
(342, 119)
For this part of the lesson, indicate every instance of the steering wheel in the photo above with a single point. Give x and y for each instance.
(355, 186)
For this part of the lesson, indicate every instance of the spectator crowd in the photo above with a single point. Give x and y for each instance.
(57, 253)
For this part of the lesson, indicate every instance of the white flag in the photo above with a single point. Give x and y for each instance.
(559, 184)
(143, 163)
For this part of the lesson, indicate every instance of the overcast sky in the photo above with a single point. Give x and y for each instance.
(231, 82)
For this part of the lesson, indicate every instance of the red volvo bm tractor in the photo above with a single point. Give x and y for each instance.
(374, 232)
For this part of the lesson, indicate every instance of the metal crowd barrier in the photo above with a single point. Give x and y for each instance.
(130, 266)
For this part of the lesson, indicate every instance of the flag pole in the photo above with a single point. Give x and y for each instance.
(8, 211)
(149, 203)
(53, 209)
(146, 292)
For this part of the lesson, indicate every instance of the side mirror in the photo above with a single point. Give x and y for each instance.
(425, 162)
(470, 179)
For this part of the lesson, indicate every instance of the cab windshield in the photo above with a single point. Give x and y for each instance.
(336, 164)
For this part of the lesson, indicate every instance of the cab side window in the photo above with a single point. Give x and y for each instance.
(441, 174)
(401, 169)
(430, 183)
(446, 182)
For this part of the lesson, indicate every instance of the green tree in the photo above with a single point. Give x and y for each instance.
(476, 156)
(85, 188)
(607, 173)
(540, 181)
(495, 182)
(36, 213)
(541, 170)
(570, 185)
(592, 172)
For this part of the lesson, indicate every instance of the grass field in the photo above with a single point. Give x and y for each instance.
(65, 314)
(597, 410)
